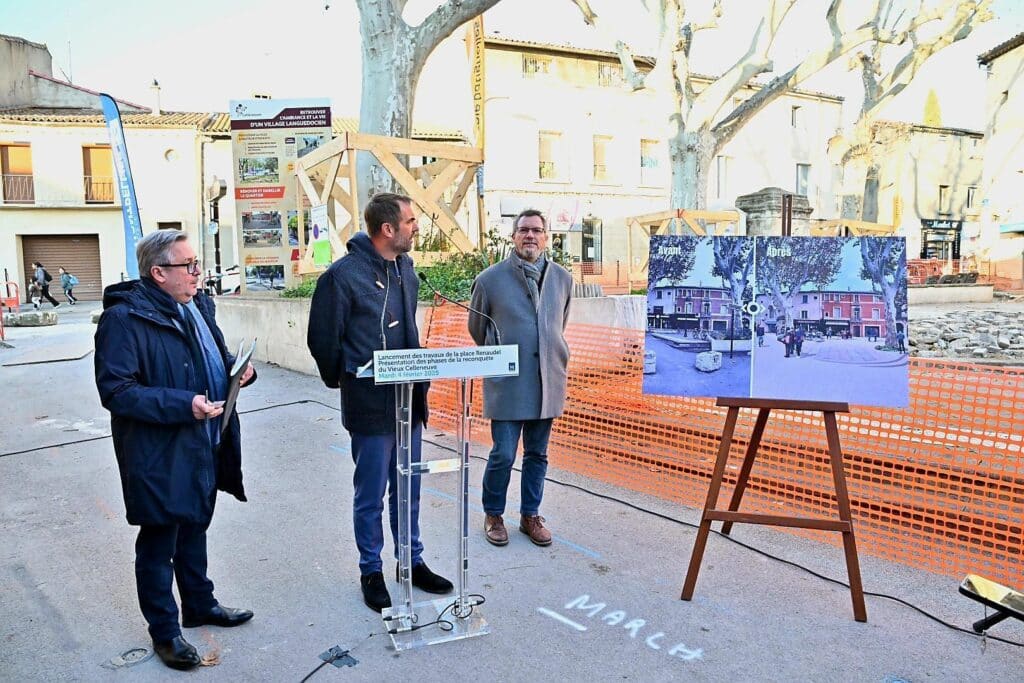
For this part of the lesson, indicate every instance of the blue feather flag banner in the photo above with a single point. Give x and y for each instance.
(125, 186)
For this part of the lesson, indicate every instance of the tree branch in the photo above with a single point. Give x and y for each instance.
(589, 16)
(443, 21)
(968, 15)
(783, 83)
(716, 14)
(754, 62)
(630, 73)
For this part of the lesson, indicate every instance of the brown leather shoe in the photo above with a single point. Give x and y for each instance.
(494, 529)
(534, 528)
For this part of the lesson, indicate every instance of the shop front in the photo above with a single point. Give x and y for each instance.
(940, 238)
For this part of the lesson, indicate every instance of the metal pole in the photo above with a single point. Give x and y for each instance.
(215, 217)
(401, 615)
(462, 603)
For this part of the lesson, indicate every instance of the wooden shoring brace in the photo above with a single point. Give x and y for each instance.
(855, 228)
(427, 198)
(322, 185)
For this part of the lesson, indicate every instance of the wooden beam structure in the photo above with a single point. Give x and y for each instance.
(328, 175)
(678, 221)
(847, 227)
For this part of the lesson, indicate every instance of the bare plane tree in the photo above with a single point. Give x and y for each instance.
(785, 265)
(953, 21)
(703, 122)
(394, 54)
(884, 262)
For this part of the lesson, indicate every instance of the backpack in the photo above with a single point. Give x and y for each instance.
(47, 276)
(72, 280)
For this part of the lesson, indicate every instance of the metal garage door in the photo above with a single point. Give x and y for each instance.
(79, 254)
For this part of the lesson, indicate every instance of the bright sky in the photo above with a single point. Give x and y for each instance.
(204, 54)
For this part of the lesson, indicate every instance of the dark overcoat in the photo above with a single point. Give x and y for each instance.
(147, 376)
(346, 327)
(501, 291)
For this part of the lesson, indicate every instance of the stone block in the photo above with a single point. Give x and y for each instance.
(1003, 342)
(979, 352)
(960, 344)
(708, 361)
(31, 319)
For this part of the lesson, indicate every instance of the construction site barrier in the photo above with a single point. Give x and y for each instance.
(937, 486)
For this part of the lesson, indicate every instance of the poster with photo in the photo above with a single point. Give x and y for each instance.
(801, 318)
(261, 229)
(268, 137)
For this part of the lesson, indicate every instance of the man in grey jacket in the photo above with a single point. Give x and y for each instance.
(528, 297)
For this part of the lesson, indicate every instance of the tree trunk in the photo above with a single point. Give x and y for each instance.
(391, 70)
(889, 292)
(869, 209)
(691, 154)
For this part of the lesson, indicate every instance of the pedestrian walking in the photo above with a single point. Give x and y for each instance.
(900, 337)
(43, 279)
(759, 330)
(35, 293)
(68, 282)
(798, 340)
(787, 341)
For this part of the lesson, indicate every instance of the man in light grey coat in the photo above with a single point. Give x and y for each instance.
(528, 297)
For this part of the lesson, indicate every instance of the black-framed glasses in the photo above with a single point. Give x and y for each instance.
(193, 267)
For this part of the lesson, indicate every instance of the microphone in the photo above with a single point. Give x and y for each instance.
(497, 332)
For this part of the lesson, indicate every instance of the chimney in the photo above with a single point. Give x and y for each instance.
(155, 109)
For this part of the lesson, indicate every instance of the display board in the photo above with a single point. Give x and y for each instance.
(267, 137)
(799, 318)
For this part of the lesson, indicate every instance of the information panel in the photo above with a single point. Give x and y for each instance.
(267, 138)
(420, 365)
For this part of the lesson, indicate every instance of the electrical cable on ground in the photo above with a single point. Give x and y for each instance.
(681, 522)
(638, 508)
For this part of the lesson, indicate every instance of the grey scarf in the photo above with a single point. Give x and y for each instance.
(533, 273)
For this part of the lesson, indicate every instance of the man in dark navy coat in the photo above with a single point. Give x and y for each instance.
(364, 302)
(161, 371)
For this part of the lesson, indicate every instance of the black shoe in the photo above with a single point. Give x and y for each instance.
(218, 616)
(375, 593)
(177, 654)
(428, 581)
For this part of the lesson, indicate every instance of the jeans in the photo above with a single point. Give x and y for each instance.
(505, 435)
(165, 553)
(376, 460)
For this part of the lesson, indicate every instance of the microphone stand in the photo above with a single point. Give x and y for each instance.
(494, 325)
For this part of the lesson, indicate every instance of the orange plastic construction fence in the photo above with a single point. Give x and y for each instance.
(938, 485)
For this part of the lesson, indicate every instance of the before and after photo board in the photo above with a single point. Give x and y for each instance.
(801, 318)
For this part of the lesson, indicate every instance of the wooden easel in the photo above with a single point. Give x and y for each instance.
(710, 514)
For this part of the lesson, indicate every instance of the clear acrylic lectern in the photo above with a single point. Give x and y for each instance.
(448, 618)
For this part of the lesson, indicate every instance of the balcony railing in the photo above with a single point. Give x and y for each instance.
(547, 170)
(99, 189)
(18, 188)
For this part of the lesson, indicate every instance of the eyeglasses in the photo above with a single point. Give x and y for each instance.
(535, 231)
(193, 267)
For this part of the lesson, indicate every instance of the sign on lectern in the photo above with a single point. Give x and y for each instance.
(416, 625)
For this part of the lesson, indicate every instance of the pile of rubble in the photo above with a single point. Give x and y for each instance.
(970, 335)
